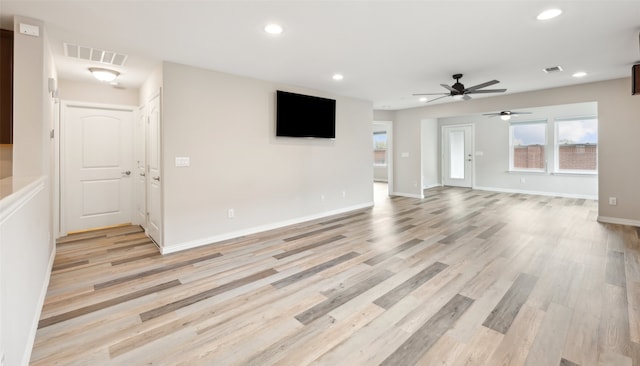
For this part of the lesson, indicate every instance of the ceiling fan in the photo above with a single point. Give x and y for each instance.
(505, 115)
(458, 89)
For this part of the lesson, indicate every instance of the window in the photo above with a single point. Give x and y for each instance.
(380, 148)
(576, 148)
(526, 145)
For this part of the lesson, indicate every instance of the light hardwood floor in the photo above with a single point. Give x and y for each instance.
(461, 277)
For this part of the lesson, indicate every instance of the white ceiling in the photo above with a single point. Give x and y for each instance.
(386, 50)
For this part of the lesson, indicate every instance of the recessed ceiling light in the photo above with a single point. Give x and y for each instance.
(579, 74)
(423, 99)
(273, 28)
(549, 14)
(337, 77)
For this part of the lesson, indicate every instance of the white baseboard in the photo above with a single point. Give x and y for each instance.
(410, 195)
(429, 186)
(539, 193)
(615, 220)
(258, 229)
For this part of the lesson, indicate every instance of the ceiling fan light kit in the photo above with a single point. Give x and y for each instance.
(458, 90)
(505, 115)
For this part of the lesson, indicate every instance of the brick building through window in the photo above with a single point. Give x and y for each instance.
(528, 157)
(578, 157)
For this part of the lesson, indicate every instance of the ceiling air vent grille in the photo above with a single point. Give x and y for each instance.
(94, 54)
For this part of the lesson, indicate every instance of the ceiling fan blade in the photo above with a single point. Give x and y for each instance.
(484, 91)
(492, 114)
(444, 96)
(518, 113)
(449, 88)
(466, 97)
(483, 85)
(431, 94)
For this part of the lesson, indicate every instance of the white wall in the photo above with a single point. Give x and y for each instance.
(430, 152)
(407, 157)
(25, 264)
(151, 86)
(226, 125)
(97, 92)
(492, 141)
(26, 224)
(618, 129)
(29, 141)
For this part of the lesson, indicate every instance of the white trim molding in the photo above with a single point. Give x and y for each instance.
(258, 229)
(539, 193)
(619, 221)
(410, 195)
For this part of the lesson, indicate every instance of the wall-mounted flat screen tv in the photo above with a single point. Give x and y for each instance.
(299, 115)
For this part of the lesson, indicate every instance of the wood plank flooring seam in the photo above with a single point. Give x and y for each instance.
(314, 270)
(105, 304)
(421, 341)
(399, 292)
(342, 297)
(502, 316)
(309, 247)
(393, 251)
(190, 300)
(151, 272)
(313, 232)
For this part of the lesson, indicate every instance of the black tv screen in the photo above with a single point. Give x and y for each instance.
(299, 115)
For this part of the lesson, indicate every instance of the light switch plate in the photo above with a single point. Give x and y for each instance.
(183, 161)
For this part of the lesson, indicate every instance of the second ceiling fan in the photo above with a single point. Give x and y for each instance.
(458, 89)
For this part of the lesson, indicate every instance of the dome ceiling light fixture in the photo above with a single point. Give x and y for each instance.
(104, 75)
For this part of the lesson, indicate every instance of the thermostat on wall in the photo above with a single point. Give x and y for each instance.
(30, 30)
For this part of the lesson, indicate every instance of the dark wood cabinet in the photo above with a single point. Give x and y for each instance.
(6, 86)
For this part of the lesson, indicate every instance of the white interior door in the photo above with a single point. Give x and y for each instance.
(154, 171)
(97, 154)
(457, 157)
(139, 175)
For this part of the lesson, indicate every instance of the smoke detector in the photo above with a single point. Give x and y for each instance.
(552, 69)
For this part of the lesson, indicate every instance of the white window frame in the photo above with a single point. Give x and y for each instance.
(556, 147)
(511, 146)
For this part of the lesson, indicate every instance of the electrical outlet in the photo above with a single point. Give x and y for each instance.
(522, 180)
(231, 213)
(613, 201)
(344, 194)
(322, 197)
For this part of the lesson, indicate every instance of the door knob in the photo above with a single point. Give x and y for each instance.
(127, 173)
(142, 174)
(156, 178)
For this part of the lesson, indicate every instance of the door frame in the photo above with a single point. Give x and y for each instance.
(443, 149)
(159, 239)
(389, 129)
(140, 151)
(64, 104)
